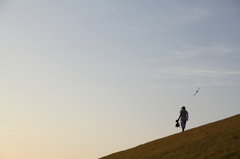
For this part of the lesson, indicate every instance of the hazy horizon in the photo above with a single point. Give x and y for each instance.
(84, 79)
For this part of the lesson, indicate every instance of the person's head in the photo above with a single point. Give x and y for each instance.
(183, 107)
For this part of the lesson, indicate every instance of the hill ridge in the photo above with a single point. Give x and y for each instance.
(219, 139)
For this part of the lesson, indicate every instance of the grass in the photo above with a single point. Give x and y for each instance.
(218, 140)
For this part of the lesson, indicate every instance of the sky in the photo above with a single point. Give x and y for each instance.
(82, 79)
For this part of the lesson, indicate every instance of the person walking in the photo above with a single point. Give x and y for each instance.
(184, 117)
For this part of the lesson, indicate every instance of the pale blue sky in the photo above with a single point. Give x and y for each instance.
(83, 79)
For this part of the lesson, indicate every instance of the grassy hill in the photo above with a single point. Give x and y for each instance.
(218, 140)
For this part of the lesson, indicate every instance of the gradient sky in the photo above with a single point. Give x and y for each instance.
(81, 79)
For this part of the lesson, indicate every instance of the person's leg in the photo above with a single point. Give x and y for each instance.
(183, 123)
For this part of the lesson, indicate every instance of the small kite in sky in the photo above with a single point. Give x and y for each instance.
(196, 91)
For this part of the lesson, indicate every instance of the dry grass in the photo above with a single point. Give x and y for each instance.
(218, 140)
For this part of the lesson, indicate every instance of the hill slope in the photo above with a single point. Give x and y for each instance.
(218, 140)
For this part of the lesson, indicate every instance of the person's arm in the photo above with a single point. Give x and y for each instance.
(187, 116)
(179, 116)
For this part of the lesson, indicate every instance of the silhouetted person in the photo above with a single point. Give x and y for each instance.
(184, 117)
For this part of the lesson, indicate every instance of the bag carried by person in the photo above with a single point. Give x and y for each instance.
(177, 124)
